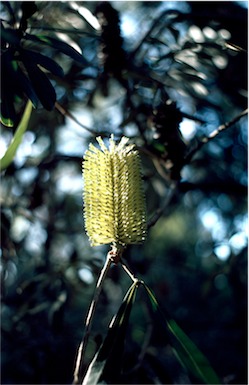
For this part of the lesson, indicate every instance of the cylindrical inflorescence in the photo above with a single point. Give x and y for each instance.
(114, 200)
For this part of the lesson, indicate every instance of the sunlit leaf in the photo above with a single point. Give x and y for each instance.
(234, 47)
(8, 113)
(22, 127)
(186, 351)
(108, 359)
(58, 44)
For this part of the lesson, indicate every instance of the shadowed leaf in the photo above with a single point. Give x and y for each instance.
(108, 360)
(10, 36)
(186, 351)
(45, 62)
(42, 86)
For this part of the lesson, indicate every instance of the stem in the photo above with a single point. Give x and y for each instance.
(129, 272)
(170, 194)
(89, 318)
(64, 112)
(223, 127)
(149, 32)
(213, 135)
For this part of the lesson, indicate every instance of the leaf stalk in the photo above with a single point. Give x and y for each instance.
(89, 319)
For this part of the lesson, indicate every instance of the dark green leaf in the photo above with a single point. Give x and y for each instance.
(15, 83)
(186, 351)
(8, 114)
(58, 44)
(42, 86)
(25, 86)
(108, 359)
(45, 62)
(10, 36)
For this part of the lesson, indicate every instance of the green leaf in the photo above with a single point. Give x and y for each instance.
(40, 83)
(185, 350)
(10, 36)
(8, 113)
(23, 85)
(45, 62)
(58, 44)
(108, 360)
(14, 84)
(22, 127)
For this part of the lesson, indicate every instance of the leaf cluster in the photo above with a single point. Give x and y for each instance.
(24, 70)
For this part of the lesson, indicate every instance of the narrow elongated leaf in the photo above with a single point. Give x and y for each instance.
(10, 36)
(23, 85)
(42, 86)
(14, 83)
(11, 151)
(58, 44)
(45, 62)
(186, 351)
(8, 113)
(107, 361)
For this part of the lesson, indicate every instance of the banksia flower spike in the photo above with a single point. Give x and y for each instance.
(114, 201)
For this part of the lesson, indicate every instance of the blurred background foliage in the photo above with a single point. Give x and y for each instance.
(166, 74)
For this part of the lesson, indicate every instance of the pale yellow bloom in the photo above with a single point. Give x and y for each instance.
(114, 201)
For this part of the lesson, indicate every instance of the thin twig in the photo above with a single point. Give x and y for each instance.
(128, 271)
(223, 127)
(160, 211)
(213, 135)
(154, 24)
(89, 318)
(64, 112)
(150, 326)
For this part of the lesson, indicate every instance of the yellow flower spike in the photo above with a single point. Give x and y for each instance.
(114, 201)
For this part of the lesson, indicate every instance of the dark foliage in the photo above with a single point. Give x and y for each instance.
(24, 76)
